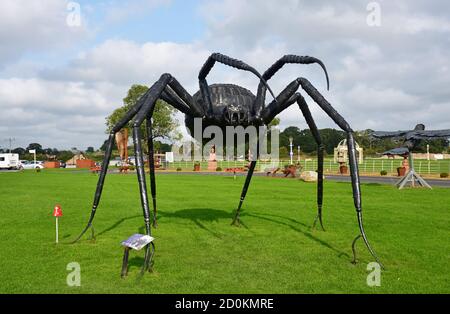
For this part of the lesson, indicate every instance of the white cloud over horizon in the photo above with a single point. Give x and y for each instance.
(389, 77)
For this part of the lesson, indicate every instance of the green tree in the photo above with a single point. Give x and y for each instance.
(90, 149)
(65, 155)
(274, 122)
(163, 123)
(36, 146)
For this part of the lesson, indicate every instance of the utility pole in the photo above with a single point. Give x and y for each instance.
(291, 153)
(10, 143)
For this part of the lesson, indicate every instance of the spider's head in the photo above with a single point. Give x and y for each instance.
(235, 115)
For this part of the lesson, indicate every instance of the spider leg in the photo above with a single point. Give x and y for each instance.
(152, 167)
(234, 63)
(286, 98)
(146, 112)
(340, 121)
(270, 72)
(109, 146)
(166, 88)
(251, 169)
(320, 149)
(142, 187)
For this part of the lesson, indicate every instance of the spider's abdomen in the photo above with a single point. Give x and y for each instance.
(232, 105)
(223, 95)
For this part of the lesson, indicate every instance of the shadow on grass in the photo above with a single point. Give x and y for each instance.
(196, 215)
(372, 184)
(297, 229)
(202, 216)
(387, 183)
(116, 224)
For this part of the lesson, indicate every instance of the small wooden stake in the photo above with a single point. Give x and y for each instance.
(56, 230)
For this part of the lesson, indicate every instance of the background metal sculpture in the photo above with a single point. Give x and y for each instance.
(228, 105)
(411, 139)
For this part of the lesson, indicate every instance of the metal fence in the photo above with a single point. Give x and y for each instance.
(369, 165)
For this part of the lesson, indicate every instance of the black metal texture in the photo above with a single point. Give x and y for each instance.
(354, 248)
(139, 159)
(251, 169)
(126, 254)
(354, 173)
(320, 151)
(151, 161)
(206, 68)
(294, 59)
(100, 183)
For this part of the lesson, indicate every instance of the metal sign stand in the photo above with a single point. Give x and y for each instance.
(412, 177)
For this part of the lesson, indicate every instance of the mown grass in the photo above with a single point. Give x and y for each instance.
(197, 251)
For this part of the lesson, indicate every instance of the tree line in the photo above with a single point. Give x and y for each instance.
(332, 137)
(45, 153)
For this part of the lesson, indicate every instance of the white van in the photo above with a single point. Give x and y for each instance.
(9, 161)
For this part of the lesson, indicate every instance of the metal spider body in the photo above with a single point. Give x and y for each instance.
(228, 105)
(231, 105)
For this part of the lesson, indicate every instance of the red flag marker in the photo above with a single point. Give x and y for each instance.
(57, 212)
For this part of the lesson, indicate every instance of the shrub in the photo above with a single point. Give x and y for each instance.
(218, 169)
(196, 166)
(132, 168)
(179, 169)
(444, 175)
(383, 172)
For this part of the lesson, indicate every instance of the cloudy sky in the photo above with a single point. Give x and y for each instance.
(59, 76)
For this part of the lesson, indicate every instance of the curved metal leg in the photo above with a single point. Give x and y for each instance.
(318, 218)
(99, 189)
(139, 158)
(151, 162)
(320, 149)
(339, 120)
(357, 192)
(124, 271)
(354, 248)
(251, 169)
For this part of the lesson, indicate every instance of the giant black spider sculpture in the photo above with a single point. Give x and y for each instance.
(224, 105)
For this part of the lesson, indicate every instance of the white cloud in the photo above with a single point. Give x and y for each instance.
(33, 26)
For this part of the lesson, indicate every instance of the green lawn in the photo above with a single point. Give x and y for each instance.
(197, 251)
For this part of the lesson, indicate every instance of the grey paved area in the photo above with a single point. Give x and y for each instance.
(364, 179)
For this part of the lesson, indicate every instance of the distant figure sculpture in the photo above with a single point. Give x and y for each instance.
(212, 161)
(212, 153)
(405, 163)
(122, 144)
